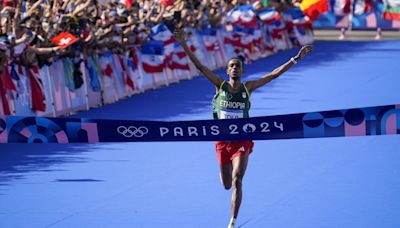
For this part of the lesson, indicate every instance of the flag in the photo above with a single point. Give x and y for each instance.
(179, 63)
(3, 95)
(6, 87)
(209, 36)
(391, 10)
(269, 15)
(153, 59)
(37, 91)
(166, 2)
(153, 47)
(313, 8)
(153, 63)
(248, 17)
(127, 3)
(179, 60)
(233, 16)
(210, 43)
(265, 3)
(342, 7)
(277, 28)
(8, 83)
(298, 18)
(161, 32)
(128, 80)
(64, 39)
(362, 7)
(243, 16)
(133, 59)
(239, 38)
(92, 67)
(130, 83)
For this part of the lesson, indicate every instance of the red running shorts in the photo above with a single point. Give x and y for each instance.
(227, 151)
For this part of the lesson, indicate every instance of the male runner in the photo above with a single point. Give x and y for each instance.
(232, 100)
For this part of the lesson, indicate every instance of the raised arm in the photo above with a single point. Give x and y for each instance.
(254, 84)
(217, 81)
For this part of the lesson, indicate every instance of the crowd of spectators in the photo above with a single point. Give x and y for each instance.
(28, 26)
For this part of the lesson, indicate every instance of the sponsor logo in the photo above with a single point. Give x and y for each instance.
(132, 131)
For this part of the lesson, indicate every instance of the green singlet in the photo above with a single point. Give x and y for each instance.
(227, 105)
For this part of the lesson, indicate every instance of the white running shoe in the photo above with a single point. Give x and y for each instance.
(232, 223)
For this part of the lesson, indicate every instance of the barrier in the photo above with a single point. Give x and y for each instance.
(362, 15)
(378, 120)
(70, 85)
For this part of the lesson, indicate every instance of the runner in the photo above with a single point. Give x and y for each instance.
(232, 100)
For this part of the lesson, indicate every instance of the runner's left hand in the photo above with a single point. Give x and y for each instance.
(304, 51)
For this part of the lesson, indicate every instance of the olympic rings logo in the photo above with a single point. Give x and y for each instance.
(131, 131)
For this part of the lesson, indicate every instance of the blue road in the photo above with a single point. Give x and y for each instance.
(302, 183)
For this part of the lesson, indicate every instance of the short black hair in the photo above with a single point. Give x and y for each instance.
(239, 57)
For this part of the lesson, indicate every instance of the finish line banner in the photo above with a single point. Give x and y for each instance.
(379, 120)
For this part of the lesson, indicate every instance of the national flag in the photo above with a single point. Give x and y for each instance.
(37, 91)
(232, 39)
(64, 39)
(179, 63)
(153, 63)
(133, 59)
(153, 59)
(161, 32)
(92, 66)
(265, 3)
(179, 60)
(233, 16)
(313, 8)
(7, 90)
(298, 18)
(20, 70)
(8, 82)
(248, 17)
(363, 16)
(16, 78)
(269, 15)
(130, 83)
(108, 71)
(166, 2)
(277, 28)
(179, 51)
(243, 16)
(391, 10)
(362, 7)
(153, 47)
(240, 38)
(128, 80)
(210, 43)
(127, 3)
(209, 36)
(342, 7)
(4, 100)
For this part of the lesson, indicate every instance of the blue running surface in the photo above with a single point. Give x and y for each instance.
(329, 182)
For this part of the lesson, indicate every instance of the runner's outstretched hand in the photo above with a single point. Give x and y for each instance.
(303, 52)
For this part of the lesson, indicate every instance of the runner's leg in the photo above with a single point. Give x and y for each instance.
(226, 175)
(239, 168)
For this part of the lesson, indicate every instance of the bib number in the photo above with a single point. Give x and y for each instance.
(231, 114)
